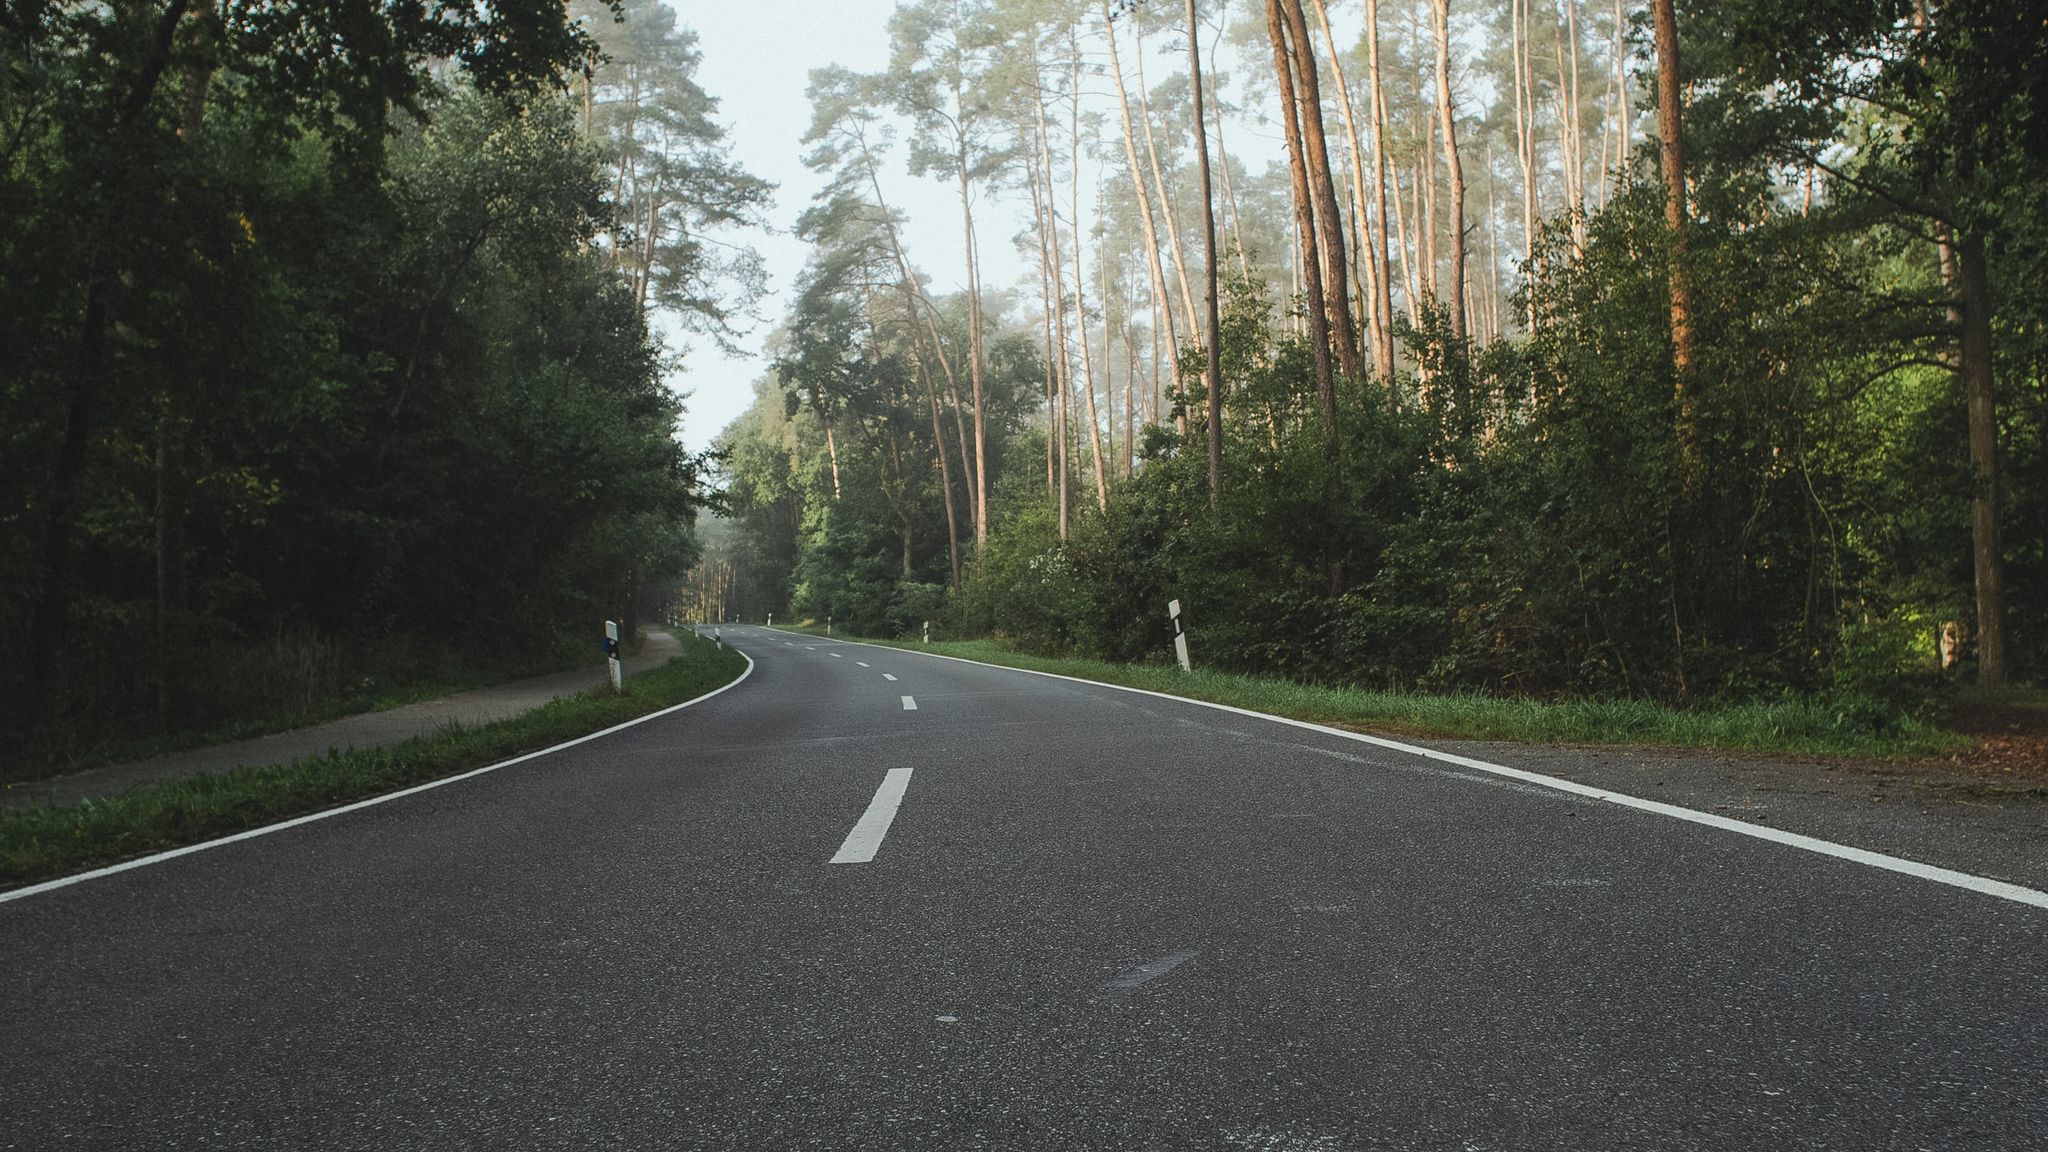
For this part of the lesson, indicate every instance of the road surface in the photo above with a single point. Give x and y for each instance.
(1061, 917)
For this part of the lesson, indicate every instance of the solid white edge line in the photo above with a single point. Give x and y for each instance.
(2001, 889)
(267, 829)
(865, 840)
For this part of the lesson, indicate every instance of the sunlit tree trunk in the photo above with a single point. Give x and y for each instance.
(1368, 284)
(1162, 313)
(1081, 276)
(1284, 67)
(1384, 353)
(1323, 189)
(1670, 127)
(1180, 264)
(1970, 282)
(1062, 464)
(1455, 170)
(1213, 375)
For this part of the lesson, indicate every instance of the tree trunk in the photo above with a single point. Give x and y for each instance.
(1456, 295)
(1180, 264)
(1384, 354)
(1081, 278)
(1673, 157)
(931, 397)
(1973, 280)
(1064, 374)
(1368, 270)
(1213, 375)
(1162, 312)
(1525, 141)
(1304, 215)
(1329, 220)
(976, 358)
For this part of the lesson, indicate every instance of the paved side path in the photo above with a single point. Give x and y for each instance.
(364, 730)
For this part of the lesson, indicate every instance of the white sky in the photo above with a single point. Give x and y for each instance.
(757, 61)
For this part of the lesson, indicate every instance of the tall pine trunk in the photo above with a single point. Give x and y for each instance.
(1329, 220)
(1456, 295)
(1213, 373)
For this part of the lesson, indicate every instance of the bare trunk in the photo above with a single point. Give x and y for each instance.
(1180, 264)
(1304, 214)
(1081, 278)
(1163, 313)
(1329, 220)
(1456, 170)
(1973, 281)
(1572, 131)
(1368, 270)
(1525, 140)
(974, 352)
(1213, 375)
(931, 399)
(1064, 373)
(1670, 127)
(1383, 353)
(832, 450)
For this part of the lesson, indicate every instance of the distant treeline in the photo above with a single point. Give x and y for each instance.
(1589, 415)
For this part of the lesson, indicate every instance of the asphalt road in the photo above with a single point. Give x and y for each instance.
(1097, 920)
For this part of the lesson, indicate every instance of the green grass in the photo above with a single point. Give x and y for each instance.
(1790, 726)
(93, 746)
(40, 842)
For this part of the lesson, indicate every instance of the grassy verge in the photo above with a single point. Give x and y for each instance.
(1791, 726)
(40, 842)
(397, 683)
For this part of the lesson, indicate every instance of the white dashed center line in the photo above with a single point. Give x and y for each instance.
(835, 655)
(886, 676)
(861, 663)
(866, 837)
(910, 703)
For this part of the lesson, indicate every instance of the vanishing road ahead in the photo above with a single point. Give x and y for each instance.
(1092, 920)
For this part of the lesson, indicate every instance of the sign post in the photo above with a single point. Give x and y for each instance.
(1180, 638)
(611, 655)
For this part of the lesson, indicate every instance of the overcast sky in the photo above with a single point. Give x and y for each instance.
(757, 60)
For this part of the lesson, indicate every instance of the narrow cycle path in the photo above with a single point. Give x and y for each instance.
(1029, 913)
(362, 730)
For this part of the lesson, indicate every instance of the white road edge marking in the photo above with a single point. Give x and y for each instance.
(886, 676)
(910, 703)
(267, 829)
(866, 837)
(1984, 885)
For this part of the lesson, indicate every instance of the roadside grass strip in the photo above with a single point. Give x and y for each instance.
(199, 812)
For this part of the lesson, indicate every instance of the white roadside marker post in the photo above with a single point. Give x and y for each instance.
(611, 655)
(718, 637)
(828, 625)
(1180, 638)
(771, 619)
(927, 631)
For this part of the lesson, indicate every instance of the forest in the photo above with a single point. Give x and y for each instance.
(328, 362)
(1675, 350)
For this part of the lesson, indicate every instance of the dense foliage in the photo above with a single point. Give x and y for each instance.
(319, 362)
(1541, 514)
